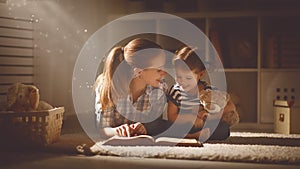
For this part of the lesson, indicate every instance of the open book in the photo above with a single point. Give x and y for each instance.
(146, 140)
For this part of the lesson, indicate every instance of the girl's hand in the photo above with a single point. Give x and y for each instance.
(138, 128)
(201, 118)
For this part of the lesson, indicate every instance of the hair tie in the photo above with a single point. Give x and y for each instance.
(121, 56)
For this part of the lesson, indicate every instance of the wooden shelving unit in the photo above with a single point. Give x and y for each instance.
(246, 56)
(242, 38)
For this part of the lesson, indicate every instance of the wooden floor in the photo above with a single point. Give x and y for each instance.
(63, 155)
(40, 160)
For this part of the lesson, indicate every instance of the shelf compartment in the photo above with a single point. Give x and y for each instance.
(281, 42)
(235, 40)
(245, 99)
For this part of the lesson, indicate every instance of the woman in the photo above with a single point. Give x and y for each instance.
(128, 92)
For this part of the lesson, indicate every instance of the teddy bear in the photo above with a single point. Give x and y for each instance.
(21, 98)
(219, 101)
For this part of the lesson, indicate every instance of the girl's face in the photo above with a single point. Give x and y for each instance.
(155, 73)
(186, 79)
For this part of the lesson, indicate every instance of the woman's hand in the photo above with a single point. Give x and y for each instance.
(138, 128)
(124, 130)
(128, 130)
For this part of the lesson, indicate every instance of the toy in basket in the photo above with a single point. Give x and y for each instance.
(23, 98)
(27, 121)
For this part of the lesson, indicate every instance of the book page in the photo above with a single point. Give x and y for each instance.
(146, 140)
(141, 140)
(171, 141)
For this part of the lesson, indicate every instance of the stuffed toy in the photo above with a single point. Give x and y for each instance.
(21, 98)
(219, 101)
(213, 100)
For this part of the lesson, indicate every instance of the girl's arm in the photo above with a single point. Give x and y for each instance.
(201, 135)
(174, 115)
(172, 111)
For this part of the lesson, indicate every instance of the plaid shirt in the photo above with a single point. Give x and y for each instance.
(148, 107)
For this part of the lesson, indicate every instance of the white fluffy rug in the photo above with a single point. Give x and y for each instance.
(216, 152)
(240, 147)
(264, 135)
(263, 139)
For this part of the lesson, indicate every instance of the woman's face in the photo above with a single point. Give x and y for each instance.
(155, 73)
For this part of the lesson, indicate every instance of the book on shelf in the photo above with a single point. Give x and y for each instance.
(214, 37)
(282, 51)
(271, 60)
(146, 140)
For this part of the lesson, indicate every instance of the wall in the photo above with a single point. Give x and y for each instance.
(64, 26)
(61, 29)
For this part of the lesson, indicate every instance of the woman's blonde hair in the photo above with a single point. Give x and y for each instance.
(118, 69)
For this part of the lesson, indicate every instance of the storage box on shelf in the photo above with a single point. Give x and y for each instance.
(286, 116)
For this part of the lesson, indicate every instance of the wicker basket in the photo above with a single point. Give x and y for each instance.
(38, 128)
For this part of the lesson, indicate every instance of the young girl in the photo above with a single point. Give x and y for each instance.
(128, 93)
(190, 99)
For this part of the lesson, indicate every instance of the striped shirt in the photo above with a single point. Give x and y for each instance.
(183, 100)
